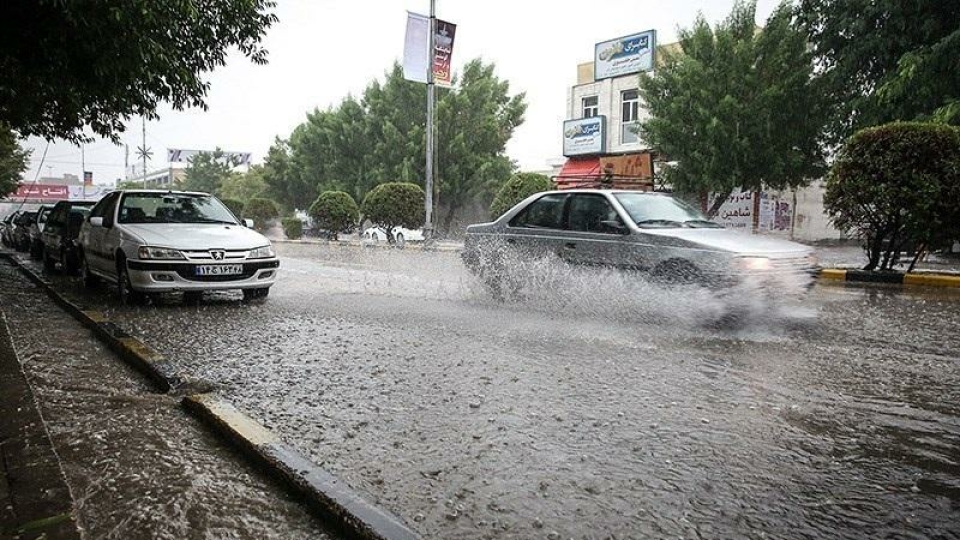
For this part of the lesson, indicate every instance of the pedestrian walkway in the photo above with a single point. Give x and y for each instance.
(855, 257)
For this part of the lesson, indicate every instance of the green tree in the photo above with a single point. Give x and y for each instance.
(285, 183)
(243, 186)
(884, 60)
(13, 160)
(292, 227)
(519, 187)
(897, 184)
(67, 65)
(208, 171)
(335, 211)
(736, 107)
(235, 206)
(394, 204)
(261, 211)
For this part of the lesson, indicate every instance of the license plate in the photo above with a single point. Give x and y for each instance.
(219, 269)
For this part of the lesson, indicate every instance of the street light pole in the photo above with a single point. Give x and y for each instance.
(428, 202)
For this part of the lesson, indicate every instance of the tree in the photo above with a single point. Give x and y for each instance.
(285, 183)
(895, 185)
(67, 65)
(884, 60)
(519, 187)
(260, 211)
(292, 227)
(234, 205)
(245, 186)
(208, 170)
(736, 107)
(394, 204)
(335, 211)
(13, 160)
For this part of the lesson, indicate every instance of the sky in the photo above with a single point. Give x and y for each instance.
(321, 51)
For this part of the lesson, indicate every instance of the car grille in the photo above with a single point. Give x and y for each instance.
(205, 256)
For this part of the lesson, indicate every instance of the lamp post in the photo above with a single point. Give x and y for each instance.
(431, 98)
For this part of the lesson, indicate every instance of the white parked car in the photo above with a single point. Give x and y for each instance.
(166, 241)
(400, 235)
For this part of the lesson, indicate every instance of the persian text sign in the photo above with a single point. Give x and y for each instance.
(180, 155)
(585, 136)
(45, 192)
(443, 53)
(622, 56)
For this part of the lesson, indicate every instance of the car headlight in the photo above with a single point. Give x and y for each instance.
(152, 252)
(754, 263)
(264, 252)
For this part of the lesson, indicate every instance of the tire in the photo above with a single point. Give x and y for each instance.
(48, 263)
(36, 250)
(128, 295)
(255, 294)
(400, 241)
(89, 280)
(66, 267)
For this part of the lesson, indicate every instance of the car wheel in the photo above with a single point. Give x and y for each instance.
(255, 294)
(48, 263)
(89, 280)
(36, 250)
(128, 295)
(401, 241)
(66, 267)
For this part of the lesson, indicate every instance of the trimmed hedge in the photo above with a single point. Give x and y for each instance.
(395, 204)
(292, 227)
(335, 212)
(517, 188)
(260, 211)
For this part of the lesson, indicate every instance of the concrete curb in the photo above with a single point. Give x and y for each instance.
(897, 278)
(370, 245)
(131, 350)
(322, 491)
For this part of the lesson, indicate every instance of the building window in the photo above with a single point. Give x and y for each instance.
(629, 116)
(591, 106)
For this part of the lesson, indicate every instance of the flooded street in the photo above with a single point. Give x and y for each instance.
(596, 407)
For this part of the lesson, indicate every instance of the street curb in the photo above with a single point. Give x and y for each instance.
(323, 492)
(131, 350)
(896, 278)
(371, 245)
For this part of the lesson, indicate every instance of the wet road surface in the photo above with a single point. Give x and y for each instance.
(598, 407)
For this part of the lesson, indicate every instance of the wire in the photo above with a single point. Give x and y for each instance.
(36, 176)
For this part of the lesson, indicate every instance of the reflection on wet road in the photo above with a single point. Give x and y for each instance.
(597, 407)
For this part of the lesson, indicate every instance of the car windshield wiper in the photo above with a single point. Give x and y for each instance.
(224, 222)
(664, 222)
(702, 224)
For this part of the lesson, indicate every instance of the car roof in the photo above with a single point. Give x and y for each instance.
(612, 191)
(164, 191)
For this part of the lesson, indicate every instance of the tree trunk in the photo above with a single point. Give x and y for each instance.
(874, 247)
(916, 257)
(448, 219)
(715, 207)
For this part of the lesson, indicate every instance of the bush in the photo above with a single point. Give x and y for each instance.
(897, 185)
(517, 188)
(235, 206)
(395, 204)
(292, 227)
(335, 212)
(260, 211)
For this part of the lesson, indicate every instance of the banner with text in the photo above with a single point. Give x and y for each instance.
(180, 155)
(623, 56)
(443, 54)
(416, 58)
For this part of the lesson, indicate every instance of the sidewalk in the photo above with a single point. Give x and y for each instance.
(853, 257)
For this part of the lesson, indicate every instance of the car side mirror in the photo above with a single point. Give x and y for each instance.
(614, 226)
(248, 223)
(96, 221)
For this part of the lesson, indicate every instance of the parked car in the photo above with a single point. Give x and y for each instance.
(20, 237)
(164, 241)
(401, 235)
(59, 241)
(639, 231)
(35, 230)
(6, 228)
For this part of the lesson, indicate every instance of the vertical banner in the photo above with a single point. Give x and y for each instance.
(415, 48)
(443, 53)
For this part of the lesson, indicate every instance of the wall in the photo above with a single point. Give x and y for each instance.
(780, 214)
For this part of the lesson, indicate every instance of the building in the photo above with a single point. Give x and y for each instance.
(166, 178)
(601, 137)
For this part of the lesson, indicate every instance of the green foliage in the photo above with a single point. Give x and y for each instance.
(260, 211)
(243, 186)
(738, 107)
(235, 205)
(130, 184)
(67, 65)
(208, 171)
(13, 160)
(897, 184)
(519, 187)
(382, 138)
(292, 227)
(885, 60)
(335, 211)
(394, 204)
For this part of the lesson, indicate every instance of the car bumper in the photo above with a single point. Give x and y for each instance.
(163, 276)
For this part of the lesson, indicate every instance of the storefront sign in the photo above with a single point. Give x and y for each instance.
(585, 136)
(46, 192)
(623, 56)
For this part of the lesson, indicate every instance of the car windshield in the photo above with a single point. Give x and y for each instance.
(173, 208)
(658, 211)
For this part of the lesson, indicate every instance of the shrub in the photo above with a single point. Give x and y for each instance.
(335, 211)
(260, 211)
(292, 227)
(395, 204)
(517, 188)
(896, 185)
(235, 206)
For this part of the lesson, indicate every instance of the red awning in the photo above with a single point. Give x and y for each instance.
(579, 172)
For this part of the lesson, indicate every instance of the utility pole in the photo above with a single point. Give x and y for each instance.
(428, 203)
(144, 125)
(126, 160)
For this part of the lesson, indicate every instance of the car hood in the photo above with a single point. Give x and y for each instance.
(196, 236)
(733, 241)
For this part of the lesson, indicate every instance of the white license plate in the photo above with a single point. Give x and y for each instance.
(219, 269)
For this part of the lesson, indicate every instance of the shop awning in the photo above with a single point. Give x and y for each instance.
(579, 172)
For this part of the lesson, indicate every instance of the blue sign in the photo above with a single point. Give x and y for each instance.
(623, 56)
(585, 136)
